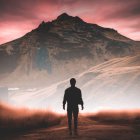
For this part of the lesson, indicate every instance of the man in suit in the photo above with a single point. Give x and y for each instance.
(73, 98)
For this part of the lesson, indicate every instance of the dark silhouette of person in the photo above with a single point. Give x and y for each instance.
(73, 97)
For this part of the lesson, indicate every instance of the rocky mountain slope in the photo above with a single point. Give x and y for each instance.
(58, 50)
(111, 85)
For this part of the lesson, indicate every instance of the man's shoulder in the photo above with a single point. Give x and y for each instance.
(71, 88)
(67, 89)
(78, 89)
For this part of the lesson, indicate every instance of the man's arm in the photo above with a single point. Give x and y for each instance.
(81, 100)
(64, 100)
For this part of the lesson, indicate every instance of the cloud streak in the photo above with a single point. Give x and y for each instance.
(19, 17)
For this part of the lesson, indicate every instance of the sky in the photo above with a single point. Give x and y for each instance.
(17, 17)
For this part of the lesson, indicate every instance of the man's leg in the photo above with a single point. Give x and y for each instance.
(75, 115)
(69, 115)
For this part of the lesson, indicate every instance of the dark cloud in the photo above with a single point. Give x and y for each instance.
(15, 9)
(125, 10)
(30, 8)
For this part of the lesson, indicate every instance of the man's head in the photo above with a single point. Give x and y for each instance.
(73, 82)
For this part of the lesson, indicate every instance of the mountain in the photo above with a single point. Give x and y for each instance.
(58, 50)
(113, 84)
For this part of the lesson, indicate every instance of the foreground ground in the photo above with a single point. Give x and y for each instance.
(88, 129)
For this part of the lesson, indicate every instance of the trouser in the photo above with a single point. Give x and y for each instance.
(72, 112)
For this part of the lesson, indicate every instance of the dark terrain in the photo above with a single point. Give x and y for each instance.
(123, 125)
